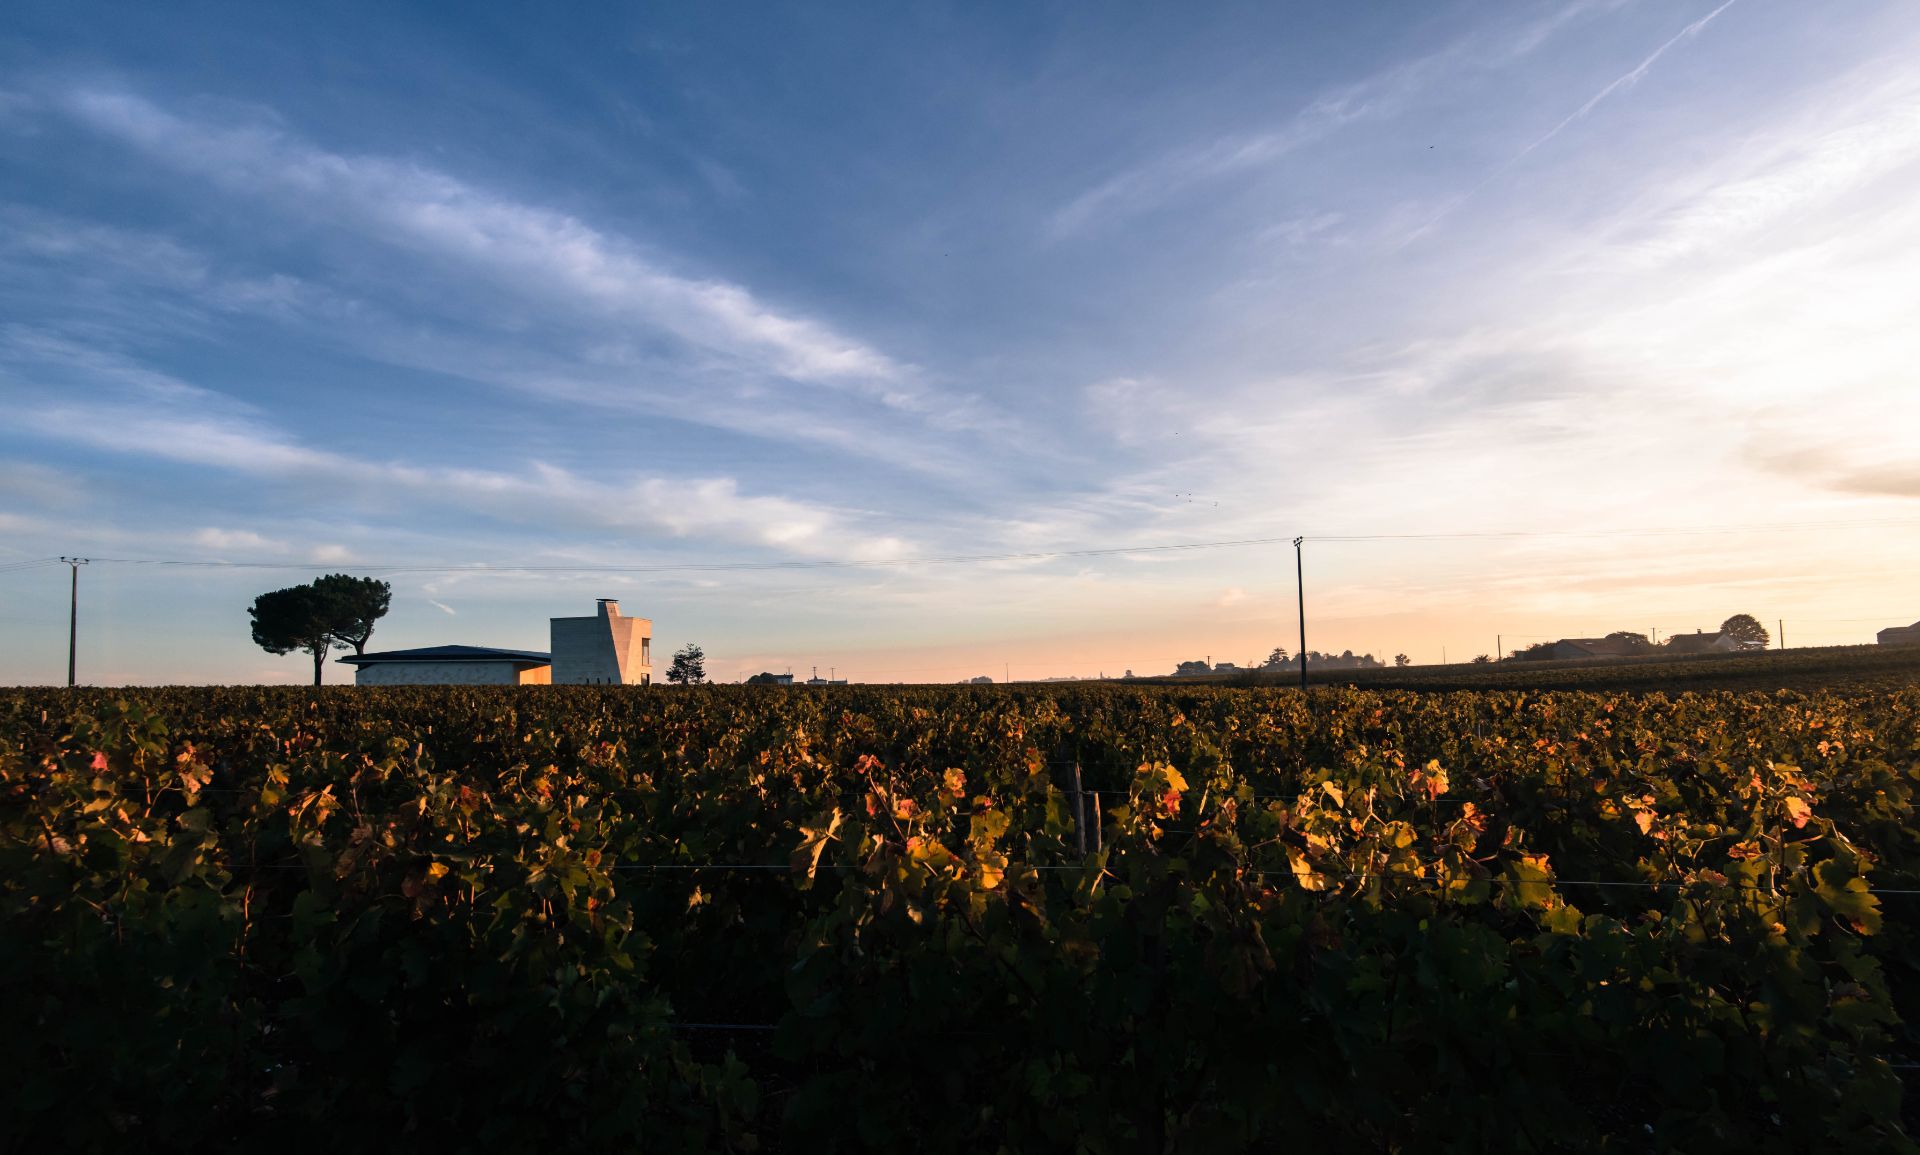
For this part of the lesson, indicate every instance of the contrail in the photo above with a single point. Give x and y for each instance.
(1692, 29)
(1592, 103)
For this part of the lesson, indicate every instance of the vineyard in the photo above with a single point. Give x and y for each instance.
(1105, 919)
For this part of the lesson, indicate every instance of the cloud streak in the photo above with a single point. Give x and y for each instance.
(713, 509)
(516, 246)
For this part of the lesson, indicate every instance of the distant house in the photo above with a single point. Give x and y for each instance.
(605, 649)
(1575, 648)
(1192, 669)
(451, 666)
(1900, 635)
(1701, 642)
(982, 680)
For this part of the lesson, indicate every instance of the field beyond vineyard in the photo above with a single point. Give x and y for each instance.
(1106, 919)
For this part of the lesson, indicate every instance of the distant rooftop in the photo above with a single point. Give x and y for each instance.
(449, 654)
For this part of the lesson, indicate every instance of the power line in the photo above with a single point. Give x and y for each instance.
(958, 559)
(670, 567)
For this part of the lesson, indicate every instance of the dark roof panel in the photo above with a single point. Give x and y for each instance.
(450, 654)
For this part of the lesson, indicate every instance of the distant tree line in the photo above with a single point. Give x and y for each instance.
(1344, 660)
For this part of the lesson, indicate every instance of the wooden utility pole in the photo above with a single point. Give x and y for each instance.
(73, 615)
(1782, 623)
(1300, 584)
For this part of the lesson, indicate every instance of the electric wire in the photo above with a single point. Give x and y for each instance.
(985, 558)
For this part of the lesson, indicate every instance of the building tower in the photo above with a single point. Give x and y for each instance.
(605, 649)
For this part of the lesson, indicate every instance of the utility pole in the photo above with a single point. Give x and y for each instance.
(1653, 635)
(1300, 584)
(1499, 647)
(73, 615)
(1783, 633)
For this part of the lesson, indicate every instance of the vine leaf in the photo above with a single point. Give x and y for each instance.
(1845, 893)
(813, 843)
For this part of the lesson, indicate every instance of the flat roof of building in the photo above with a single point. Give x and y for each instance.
(452, 654)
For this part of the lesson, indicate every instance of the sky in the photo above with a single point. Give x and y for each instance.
(896, 339)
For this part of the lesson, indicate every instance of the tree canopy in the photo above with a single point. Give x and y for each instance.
(294, 618)
(335, 610)
(1747, 630)
(354, 604)
(689, 666)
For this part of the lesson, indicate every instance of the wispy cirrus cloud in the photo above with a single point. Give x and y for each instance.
(223, 437)
(522, 247)
(1865, 130)
(238, 540)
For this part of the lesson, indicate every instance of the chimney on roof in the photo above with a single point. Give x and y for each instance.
(609, 607)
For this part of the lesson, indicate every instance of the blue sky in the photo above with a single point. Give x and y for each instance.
(354, 287)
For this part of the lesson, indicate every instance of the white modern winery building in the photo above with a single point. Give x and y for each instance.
(605, 648)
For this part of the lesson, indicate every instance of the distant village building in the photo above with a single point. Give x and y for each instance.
(982, 680)
(1192, 669)
(451, 666)
(1900, 635)
(1701, 642)
(605, 649)
(1568, 649)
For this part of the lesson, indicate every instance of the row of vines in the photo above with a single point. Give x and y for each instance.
(1095, 919)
